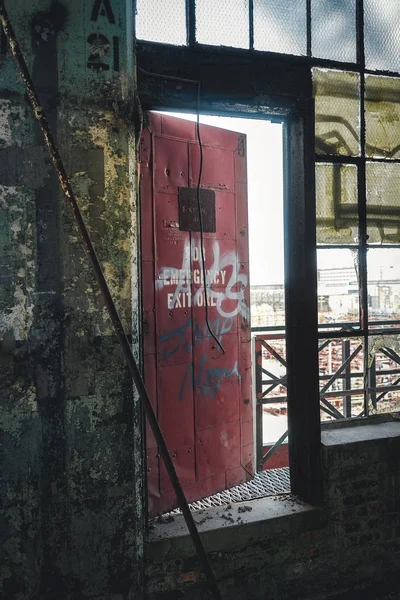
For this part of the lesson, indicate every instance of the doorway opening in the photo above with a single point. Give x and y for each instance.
(244, 271)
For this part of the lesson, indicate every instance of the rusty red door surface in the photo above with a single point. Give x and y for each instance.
(202, 396)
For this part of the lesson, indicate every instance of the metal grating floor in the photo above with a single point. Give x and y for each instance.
(266, 483)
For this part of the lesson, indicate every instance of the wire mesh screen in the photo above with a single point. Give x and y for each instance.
(382, 34)
(334, 29)
(337, 112)
(382, 104)
(336, 204)
(163, 22)
(338, 286)
(383, 202)
(280, 26)
(223, 23)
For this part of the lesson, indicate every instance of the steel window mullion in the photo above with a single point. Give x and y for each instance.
(309, 33)
(339, 246)
(380, 246)
(352, 160)
(337, 159)
(191, 22)
(362, 199)
(251, 24)
(263, 56)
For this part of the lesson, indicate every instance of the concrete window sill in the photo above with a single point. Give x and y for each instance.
(361, 432)
(238, 525)
(233, 526)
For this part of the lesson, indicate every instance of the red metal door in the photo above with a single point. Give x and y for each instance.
(202, 397)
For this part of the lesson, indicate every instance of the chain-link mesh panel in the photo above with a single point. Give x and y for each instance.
(280, 26)
(336, 204)
(334, 29)
(223, 23)
(163, 22)
(337, 112)
(382, 34)
(382, 114)
(383, 202)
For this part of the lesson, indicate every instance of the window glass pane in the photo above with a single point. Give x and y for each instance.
(382, 113)
(337, 122)
(336, 204)
(161, 21)
(383, 284)
(267, 305)
(338, 294)
(223, 23)
(382, 34)
(334, 29)
(280, 26)
(344, 397)
(384, 364)
(383, 203)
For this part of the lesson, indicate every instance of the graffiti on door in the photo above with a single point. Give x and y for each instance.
(172, 341)
(207, 379)
(226, 292)
(224, 274)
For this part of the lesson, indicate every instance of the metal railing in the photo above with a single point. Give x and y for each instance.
(342, 381)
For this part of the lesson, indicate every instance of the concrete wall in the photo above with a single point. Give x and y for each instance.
(282, 550)
(71, 522)
(70, 514)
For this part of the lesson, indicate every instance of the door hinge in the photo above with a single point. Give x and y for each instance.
(241, 145)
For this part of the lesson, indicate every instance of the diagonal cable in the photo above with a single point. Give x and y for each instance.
(112, 311)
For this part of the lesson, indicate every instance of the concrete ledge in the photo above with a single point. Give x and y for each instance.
(353, 435)
(262, 521)
(234, 526)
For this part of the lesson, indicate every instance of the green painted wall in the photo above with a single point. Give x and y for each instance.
(70, 508)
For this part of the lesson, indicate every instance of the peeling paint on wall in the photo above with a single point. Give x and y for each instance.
(69, 516)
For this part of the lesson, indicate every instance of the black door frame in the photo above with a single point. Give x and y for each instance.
(241, 83)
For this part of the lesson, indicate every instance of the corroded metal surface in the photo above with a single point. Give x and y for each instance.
(202, 396)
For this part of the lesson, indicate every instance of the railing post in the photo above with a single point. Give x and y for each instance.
(346, 379)
(372, 383)
(259, 406)
(191, 22)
